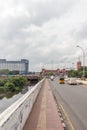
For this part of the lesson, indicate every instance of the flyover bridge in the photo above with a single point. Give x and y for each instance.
(35, 110)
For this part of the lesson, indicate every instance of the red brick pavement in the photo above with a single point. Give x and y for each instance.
(44, 115)
(52, 117)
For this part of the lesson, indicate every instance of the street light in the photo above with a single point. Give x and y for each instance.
(83, 59)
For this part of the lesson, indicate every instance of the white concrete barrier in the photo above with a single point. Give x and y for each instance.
(14, 117)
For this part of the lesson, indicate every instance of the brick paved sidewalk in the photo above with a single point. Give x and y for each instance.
(44, 115)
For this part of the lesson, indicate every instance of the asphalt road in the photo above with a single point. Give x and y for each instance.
(73, 98)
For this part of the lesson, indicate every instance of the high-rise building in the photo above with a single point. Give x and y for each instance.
(21, 66)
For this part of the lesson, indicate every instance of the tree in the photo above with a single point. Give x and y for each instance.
(9, 87)
(77, 73)
(18, 81)
(72, 73)
(13, 84)
(4, 72)
(14, 72)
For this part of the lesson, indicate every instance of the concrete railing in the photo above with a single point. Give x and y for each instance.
(14, 117)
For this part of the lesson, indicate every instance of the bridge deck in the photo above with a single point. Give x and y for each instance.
(44, 115)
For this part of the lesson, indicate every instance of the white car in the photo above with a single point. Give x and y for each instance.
(72, 81)
(52, 77)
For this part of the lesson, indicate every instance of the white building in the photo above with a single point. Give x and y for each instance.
(21, 66)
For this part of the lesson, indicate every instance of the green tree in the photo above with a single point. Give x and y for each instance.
(14, 72)
(9, 87)
(2, 82)
(13, 84)
(77, 73)
(4, 72)
(72, 73)
(18, 81)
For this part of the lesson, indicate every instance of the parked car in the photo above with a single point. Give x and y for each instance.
(72, 81)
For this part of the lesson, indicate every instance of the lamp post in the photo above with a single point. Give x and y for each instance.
(83, 59)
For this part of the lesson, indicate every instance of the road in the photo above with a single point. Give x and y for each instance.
(73, 98)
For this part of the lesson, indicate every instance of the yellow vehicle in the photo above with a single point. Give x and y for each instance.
(61, 81)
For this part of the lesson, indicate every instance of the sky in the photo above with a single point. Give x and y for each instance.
(46, 32)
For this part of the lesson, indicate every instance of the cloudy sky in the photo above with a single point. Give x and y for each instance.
(46, 32)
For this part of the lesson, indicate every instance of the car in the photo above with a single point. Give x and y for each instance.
(61, 80)
(72, 81)
(52, 77)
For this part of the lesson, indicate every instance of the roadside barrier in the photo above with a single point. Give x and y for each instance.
(14, 117)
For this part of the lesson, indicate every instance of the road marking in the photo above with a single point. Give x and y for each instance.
(67, 118)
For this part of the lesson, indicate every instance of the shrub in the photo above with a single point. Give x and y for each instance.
(9, 87)
(18, 81)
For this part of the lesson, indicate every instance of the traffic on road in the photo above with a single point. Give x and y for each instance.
(73, 100)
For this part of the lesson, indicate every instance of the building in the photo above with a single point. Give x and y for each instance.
(79, 65)
(59, 72)
(21, 66)
(47, 72)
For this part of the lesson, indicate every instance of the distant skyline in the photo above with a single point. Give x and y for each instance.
(46, 32)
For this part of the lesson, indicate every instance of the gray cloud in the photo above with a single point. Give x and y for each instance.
(82, 32)
(42, 30)
(49, 10)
